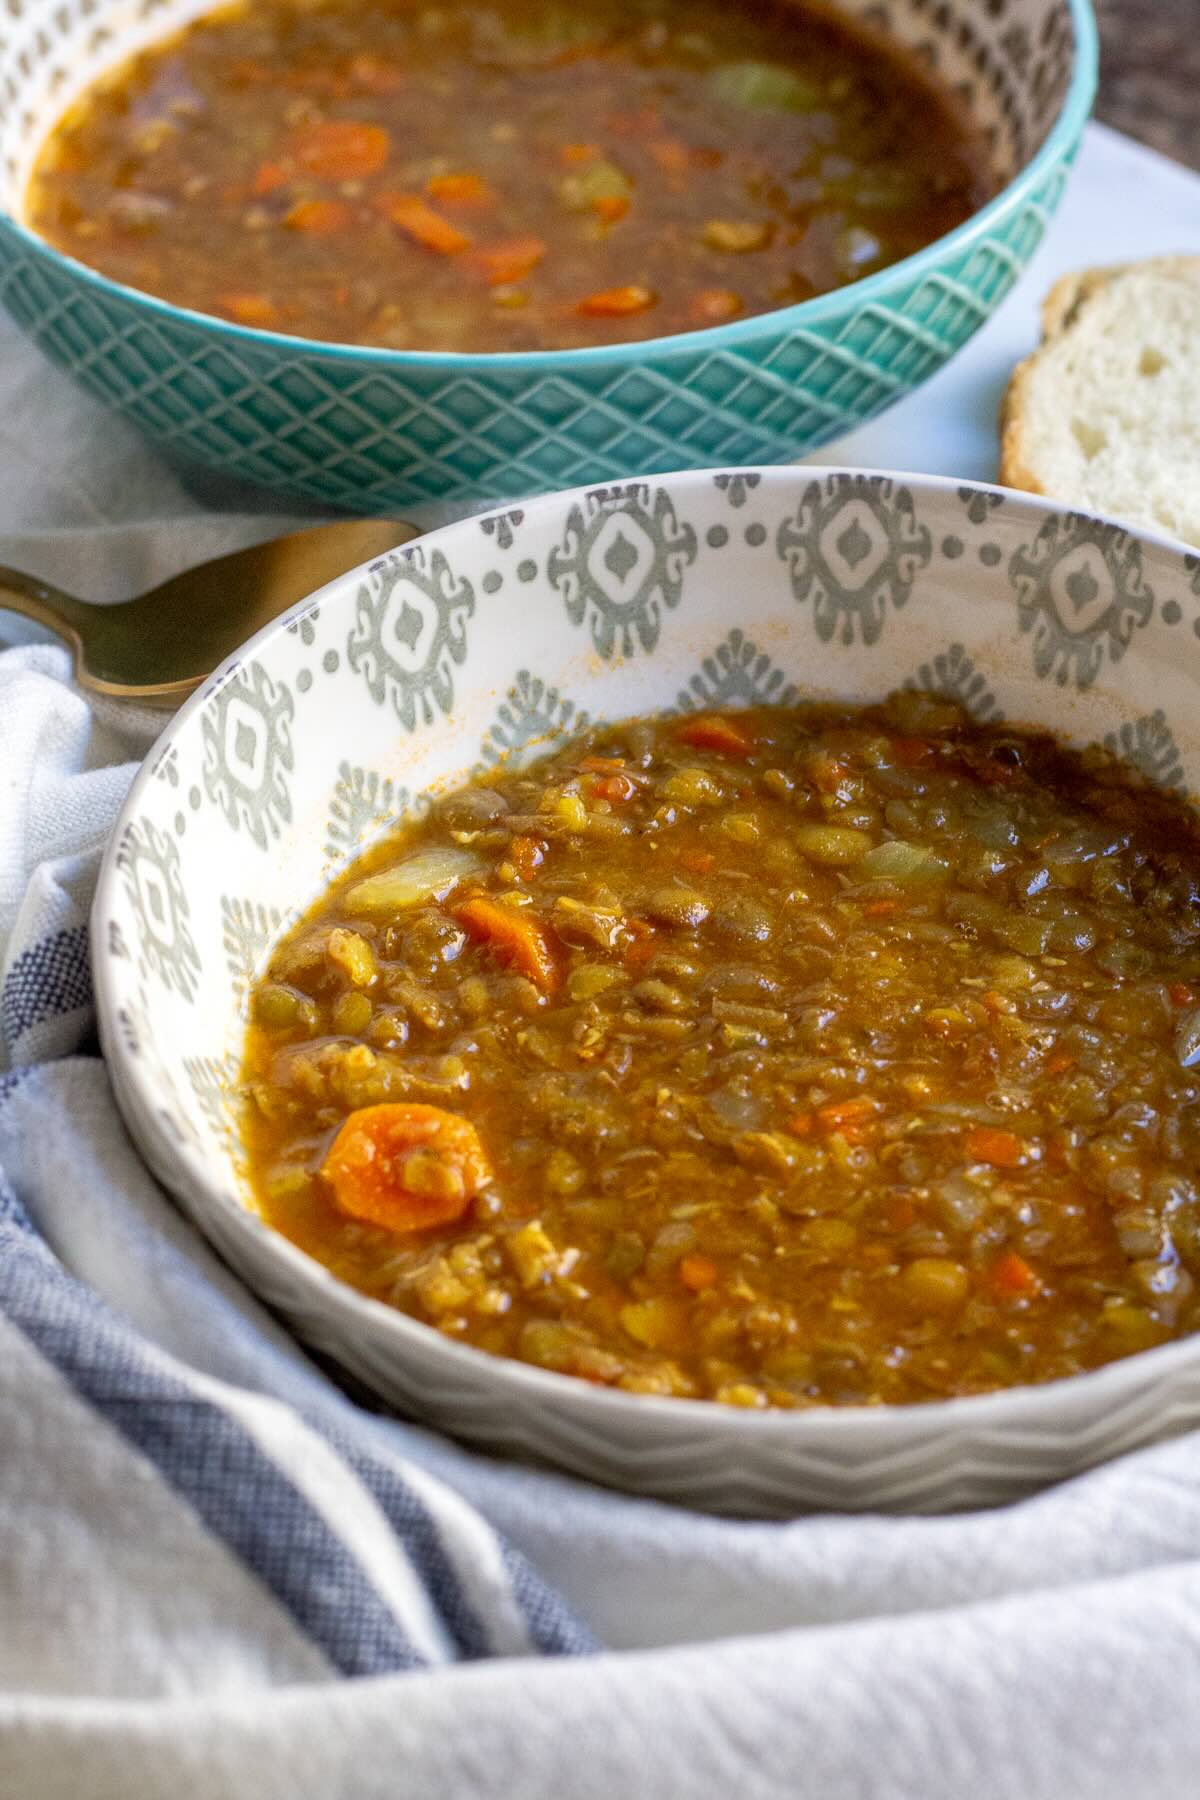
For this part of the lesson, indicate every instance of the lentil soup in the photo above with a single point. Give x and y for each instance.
(783, 1057)
(508, 177)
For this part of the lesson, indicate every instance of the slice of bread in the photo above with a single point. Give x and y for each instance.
(1106, 414)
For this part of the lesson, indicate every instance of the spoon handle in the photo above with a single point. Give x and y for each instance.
(160, 645)
(61, 613)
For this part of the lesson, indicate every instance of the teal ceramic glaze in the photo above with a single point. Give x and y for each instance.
(372, 429)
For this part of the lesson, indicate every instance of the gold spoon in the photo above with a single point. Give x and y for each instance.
(156, 648)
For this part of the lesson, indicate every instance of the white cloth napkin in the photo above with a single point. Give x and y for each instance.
(221, 1576)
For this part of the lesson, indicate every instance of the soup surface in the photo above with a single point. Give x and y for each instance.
(781, 1057)
(511, 176)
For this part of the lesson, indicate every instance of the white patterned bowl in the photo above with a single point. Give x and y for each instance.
(672, 592)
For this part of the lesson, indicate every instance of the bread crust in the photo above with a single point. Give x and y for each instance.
(1014, 471)
(1070, 292)
(1062, 310)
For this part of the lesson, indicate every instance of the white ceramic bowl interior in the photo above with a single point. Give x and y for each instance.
(499, 632)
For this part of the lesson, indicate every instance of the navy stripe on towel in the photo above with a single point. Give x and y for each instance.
(412, 1524)
(211, 1461)
(552, 1625)
(51, 978)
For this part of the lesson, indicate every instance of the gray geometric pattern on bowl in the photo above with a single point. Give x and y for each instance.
(369, 429)
(1018, 608)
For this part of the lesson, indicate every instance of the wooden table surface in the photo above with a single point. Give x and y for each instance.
(1150, 73)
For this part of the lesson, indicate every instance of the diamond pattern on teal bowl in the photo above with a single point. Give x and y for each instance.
(373, 430)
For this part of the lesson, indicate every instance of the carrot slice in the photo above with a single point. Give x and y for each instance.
(514, 937)
(672, 155)
(512, 260)
(342, 149)
(267, 178)
(405, 1166)
(716, 731)
(1001, 1149)
(610, 207)
(318, 218)
(618, 302)
(1013, 1278)
(616, 789)
(644, 942)
(1181, 994)
(573, 154)
(879, 909)
(422, 224)
(250, 309)
(459, 190)
(698, 862)
(526, 854)
(697, 1272)
(846, 1116)
(994, 772)
(826, 773)
(911, 752)
(710, 306)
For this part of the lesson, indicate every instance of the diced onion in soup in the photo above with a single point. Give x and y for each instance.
(962, 1202)
(430, 875)
(901, 861)
(763, 85)
(599, 181)
(1086, 842)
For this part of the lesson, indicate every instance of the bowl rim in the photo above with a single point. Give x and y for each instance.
(1034, 1409)
(869, 290)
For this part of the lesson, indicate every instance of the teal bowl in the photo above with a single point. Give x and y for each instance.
(372, 429)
